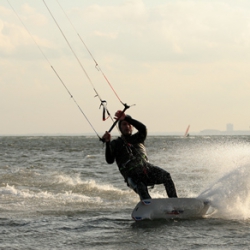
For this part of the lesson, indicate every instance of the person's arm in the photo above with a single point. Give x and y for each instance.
(109, 156)
(142, 129)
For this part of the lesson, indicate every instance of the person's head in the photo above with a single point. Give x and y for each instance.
(125, 127)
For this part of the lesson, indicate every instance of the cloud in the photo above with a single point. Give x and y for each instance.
(18, 40)
(31, 15)
(187, 60)
(111, 35)
(131, 11)
(200, 31)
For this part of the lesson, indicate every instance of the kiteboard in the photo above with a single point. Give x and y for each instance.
(170, 208)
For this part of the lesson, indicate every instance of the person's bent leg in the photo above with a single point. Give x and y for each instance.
(170, 187)
(160, 176)
(142, 190)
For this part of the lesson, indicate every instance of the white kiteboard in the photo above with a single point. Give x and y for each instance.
(170, 208)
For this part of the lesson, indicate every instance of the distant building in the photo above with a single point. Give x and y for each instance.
(229, 131)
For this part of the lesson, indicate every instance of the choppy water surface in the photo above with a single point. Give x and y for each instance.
(58, 193)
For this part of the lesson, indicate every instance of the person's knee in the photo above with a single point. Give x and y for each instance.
(131, 183)
(142, 190)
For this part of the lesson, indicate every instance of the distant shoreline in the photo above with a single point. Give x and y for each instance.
(202, 133)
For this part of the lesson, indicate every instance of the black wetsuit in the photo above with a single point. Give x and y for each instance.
(131, 158)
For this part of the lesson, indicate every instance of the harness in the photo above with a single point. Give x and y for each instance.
(138, 160)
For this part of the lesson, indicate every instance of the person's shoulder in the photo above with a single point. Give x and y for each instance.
(116, 142)
(117, 139)
(139, 137)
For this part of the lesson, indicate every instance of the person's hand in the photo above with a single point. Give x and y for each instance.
(106, 137)
(120, 115)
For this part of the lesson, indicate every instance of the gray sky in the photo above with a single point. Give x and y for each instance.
(181, 62)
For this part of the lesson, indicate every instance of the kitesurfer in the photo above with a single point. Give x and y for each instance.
(129, 152)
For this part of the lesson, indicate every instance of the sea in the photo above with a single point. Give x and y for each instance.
(57, 192)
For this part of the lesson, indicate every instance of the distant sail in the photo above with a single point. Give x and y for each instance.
(186, 133)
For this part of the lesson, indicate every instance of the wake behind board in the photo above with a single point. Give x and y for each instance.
(170, 208)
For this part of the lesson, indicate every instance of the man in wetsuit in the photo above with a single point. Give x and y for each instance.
(129, 152)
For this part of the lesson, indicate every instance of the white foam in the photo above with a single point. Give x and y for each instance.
(67, 196)
(105, 187)
(8, 190)
(90, 184)
(69, 180)
(230, 195)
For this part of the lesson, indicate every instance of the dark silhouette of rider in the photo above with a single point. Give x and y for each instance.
(129, 152)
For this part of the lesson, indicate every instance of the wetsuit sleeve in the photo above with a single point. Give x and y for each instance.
(109, 156)
(142, 129)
